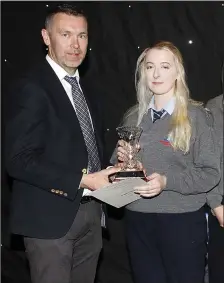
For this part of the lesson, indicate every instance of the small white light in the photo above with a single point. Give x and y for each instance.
(5, 60)
(47, 5)
(90, 49)
(138, 47)
(129, 6)
(108, 130)
(1, 245)
(223, 5)
(190, 41)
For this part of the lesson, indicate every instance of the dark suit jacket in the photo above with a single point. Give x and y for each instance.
(46, 153)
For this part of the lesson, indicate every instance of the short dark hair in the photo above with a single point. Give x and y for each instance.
(67, 9)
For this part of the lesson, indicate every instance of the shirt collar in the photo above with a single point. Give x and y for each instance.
(59, 71)
(169, 107)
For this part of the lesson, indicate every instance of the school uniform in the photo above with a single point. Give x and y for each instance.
(166, 234)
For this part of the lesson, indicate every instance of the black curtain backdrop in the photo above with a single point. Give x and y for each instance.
(119, 32)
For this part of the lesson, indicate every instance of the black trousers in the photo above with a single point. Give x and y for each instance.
(72, 258)
(215, 251)
(167, 248)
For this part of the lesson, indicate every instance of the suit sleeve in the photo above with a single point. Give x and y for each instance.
(204, 173)
(25, 143)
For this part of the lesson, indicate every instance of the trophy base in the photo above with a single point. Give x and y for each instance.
(129, 174)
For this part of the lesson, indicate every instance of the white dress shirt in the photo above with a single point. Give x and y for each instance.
(61, 73)
(169, 107)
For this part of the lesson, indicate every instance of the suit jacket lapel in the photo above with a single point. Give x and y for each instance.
(60, 98)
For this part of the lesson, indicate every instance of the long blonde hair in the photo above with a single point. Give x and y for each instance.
(180, 124)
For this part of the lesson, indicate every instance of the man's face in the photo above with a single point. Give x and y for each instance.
(161, 72)
(67, 40)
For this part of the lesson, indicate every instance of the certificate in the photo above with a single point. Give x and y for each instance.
(120, 193)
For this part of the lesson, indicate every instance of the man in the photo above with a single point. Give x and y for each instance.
(216, 201)
(54, 154)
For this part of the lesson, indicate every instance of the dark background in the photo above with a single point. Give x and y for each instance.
(119, 32)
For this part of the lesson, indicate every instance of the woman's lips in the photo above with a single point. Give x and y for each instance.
(157, 83)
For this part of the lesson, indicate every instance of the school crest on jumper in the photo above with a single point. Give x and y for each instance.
(165, 142)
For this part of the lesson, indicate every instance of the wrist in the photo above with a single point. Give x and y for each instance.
(85, 181)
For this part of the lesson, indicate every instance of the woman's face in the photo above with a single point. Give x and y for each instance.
(161, 71)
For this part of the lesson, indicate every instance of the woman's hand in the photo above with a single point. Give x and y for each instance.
(156, 183)
(219, 213)
(123, 150)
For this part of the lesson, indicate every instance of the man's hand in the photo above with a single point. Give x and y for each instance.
(219, 213)
(156, 183)
(99, 179)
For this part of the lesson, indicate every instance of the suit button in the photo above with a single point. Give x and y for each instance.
(57, 191)
(61, 192)
(53, 190)
(65, 194)
(84, 171)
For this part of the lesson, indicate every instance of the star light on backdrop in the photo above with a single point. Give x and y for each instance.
(138, 47)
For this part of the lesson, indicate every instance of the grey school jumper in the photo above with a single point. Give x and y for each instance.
(215, 105)
(189, 176)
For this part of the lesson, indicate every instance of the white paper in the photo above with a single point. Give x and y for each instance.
(120, 193)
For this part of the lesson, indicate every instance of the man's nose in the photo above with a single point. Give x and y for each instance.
(75, 43)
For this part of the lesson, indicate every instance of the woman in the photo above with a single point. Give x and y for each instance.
(166, 228)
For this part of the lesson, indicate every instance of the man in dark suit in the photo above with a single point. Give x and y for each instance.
(215, 199)
(54, 155)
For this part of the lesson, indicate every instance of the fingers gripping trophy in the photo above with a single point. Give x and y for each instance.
(131, 166)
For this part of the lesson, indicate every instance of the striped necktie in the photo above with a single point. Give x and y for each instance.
(157, 114)
(85, 124)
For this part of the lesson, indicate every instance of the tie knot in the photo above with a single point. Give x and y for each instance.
(71, 80)
(157, 114)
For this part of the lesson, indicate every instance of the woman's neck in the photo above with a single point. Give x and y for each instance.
(160, 100)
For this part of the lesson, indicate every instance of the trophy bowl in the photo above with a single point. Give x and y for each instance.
(131, 165)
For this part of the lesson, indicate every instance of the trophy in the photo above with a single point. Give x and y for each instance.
(130, 168)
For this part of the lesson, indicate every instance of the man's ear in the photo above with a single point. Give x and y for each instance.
(45, 36)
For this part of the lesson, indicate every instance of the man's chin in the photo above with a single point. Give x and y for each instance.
(74, 64)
